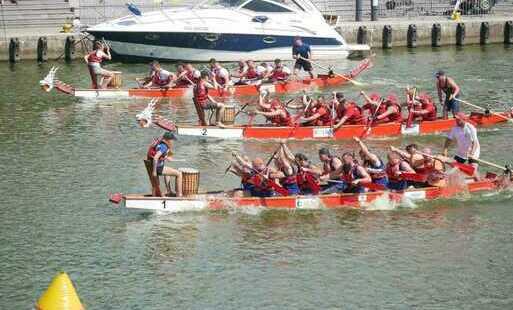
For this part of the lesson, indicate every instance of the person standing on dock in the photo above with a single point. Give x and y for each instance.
(446, 86)
(467, 143)
(94, 60)
(302, 53)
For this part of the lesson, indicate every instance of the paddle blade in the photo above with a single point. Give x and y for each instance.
(413, 177)
(373, 186)
(465, 168)
(279, 189)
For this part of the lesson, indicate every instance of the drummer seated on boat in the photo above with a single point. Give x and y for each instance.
(203, 101)
(273, 110)
(394, 168)
(390, 111)
(352, 175)
(424, 108)
(219, 76)
(317, 113)
(160, 152)
(94, 60)
(348, 112)
(161, 78)
(330, 164)
(374, 165)
(280, 72)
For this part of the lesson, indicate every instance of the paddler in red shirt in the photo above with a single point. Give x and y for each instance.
(348, 113)
(318, 113)
(392, 111)
(219, 75)
(188, 77)
(424, 109)
(280, 72)
(203, 101)
(273, 110)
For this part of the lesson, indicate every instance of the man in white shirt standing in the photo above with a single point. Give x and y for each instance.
(467, 143)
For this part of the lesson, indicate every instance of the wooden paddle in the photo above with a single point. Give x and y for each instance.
(411, 107)
(465, 168)
(483, 109)
(367, 131)
(504, 168)
(356, 83)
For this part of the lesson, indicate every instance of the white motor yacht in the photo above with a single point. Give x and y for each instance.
(227, 30)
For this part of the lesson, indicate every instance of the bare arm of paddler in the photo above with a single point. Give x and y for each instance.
(335, 170)
(365, 177)
(246, 163)
(373, 158)
(285, 152)
(390, 110)
(415, 160)
(368, 99)
(262, 103)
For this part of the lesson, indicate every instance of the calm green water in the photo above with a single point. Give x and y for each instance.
(60, 157)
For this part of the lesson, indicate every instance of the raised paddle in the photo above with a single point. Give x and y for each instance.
(483, 109)
(367, 131)
(465, 168)
(356, 83)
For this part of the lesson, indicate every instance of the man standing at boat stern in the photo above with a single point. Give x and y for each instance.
(302, 54)
(467, 143)
(446, 86)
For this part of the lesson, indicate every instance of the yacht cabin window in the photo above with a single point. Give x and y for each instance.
(265, 6)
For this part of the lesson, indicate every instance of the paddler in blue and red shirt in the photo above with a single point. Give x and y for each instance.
(159, 152)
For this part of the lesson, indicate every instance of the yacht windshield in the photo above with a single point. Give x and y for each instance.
(220, 3)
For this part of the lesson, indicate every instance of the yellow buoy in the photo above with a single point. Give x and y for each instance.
(60, 295)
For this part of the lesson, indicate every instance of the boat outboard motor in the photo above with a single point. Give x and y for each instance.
(133, 9)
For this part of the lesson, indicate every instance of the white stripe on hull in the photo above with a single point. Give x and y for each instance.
(171, 206)
(204, 55)
(107, 94)
(213, 132)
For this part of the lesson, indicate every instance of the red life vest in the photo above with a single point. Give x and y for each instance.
(355, 115)
(392, 170)
(258, 181)
(251, 74)
(431, 107)
(201, 93)
(279, 120)
(350, 175)
(94, 58)
(279, 75)
(291, 179)
(325, 119)
(308, 182)
(152, 149)
(158, 81)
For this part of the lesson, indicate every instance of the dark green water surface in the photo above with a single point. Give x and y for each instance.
(59, 157)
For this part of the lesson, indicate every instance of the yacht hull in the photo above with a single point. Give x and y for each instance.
(198, 48)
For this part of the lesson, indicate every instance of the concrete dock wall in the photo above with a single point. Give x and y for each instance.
(424, 30)
(399, 30)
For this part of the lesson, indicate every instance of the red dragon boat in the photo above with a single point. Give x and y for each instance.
(220, 200)
(290, 86)
(344, 132)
